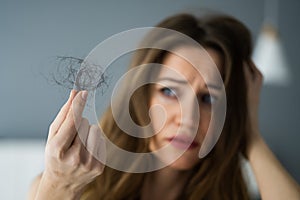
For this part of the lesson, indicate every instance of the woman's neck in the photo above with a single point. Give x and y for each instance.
(166, 183)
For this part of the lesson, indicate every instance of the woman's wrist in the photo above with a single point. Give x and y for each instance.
(254, 142)
(52, 188)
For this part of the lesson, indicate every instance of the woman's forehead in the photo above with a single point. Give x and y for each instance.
(191, 63)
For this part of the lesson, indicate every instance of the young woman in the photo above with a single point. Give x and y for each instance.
(73, 173)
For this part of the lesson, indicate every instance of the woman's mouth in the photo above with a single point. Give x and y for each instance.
(183, 142)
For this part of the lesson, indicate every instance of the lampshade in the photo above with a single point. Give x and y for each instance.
(269, 57)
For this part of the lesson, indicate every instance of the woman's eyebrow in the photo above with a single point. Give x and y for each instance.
(209, 85)
(212, 86)
(172, 80)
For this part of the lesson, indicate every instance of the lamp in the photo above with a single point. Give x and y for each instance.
(269, 55)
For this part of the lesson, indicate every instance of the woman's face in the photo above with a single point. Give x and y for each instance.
(176, 124)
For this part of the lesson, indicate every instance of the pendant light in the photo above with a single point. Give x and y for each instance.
(269, 55)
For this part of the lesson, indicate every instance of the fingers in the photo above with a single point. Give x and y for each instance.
(90, 154)
(252, 72)
(83, 130)
(67, 131)
(80, 138)
(61, 115)
(256, 71)
(248, 73)
(73, 155)
(96, 144)
(96, 149)
(67, 158)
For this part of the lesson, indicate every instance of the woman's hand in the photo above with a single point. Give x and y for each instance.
(69, 167)
(254, 80)
(273, 180)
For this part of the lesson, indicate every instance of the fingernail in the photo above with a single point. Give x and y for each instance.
(84, 95)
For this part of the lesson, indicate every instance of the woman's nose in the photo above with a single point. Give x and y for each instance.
(189, 116)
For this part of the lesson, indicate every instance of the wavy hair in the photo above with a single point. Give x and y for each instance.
(218, 175)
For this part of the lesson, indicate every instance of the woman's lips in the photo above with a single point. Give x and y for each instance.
(182, 142)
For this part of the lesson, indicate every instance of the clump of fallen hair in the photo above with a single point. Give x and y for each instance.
(76, 73)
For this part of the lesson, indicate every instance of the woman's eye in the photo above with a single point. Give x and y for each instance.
(168, 92)
(209, 99)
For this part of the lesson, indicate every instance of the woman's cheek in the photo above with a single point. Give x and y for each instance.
(204, 122)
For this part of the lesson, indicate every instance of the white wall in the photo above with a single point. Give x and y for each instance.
(20, 162)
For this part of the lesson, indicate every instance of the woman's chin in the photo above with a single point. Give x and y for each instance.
(183, 164)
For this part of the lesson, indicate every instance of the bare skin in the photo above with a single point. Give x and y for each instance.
(164, 184)
(69, 166)
(273, 180)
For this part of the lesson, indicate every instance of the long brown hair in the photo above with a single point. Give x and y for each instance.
(218, 175)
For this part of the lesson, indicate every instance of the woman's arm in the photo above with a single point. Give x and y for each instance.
(45, 188)
(69, 167)
(273, 180)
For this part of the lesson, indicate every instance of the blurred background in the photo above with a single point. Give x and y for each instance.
(34, 33)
